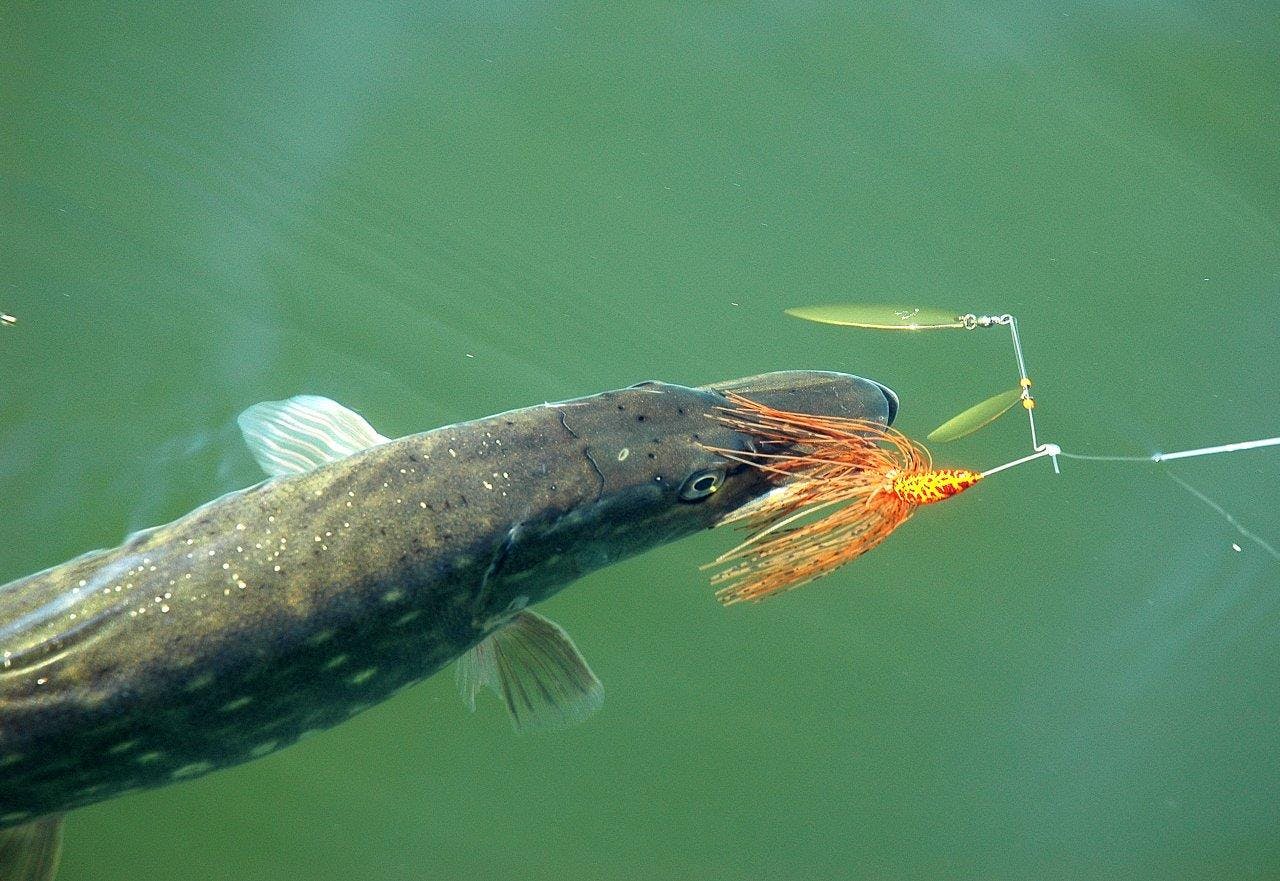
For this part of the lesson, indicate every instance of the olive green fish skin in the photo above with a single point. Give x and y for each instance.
(288, 607)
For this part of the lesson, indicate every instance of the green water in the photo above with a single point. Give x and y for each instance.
(433, 212)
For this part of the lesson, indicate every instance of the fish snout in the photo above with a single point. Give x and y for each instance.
(891, 397)
(817, 393)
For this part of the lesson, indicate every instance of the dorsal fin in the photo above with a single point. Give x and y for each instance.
(304, 432)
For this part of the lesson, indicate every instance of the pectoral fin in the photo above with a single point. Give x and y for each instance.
(304, 432)
(30, 852)
(533, 665)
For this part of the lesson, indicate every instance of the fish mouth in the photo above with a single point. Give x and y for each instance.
(892, 398)
(817, 393)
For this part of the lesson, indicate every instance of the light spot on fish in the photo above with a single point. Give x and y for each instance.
(148, 758)
(122, 747)
(204, 680)
(237, 704)
(11, 759)
(322, 637)
(335, 662)
(263, 748)
(364, 676)
(192, 770)
(623, 454)
(409, 616)
(393, 596)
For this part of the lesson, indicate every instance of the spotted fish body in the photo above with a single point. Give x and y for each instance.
(290, 606)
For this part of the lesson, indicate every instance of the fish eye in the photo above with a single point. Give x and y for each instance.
(702, 484)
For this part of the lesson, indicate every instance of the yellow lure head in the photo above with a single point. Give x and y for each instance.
(934, 485)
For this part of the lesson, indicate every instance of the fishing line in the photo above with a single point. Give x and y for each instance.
(1159, 458)
(1181, 454)
(1054, 452)
(1223, 511)
(1087, 458)
(1221, 448)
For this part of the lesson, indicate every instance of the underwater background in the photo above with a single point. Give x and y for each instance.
(434, 212)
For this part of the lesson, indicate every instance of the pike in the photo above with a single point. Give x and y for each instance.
(359, 567)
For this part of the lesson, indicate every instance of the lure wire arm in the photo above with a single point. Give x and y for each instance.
(1045, 450)
(970, 321)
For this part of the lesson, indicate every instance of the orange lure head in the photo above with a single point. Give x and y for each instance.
(868, 478)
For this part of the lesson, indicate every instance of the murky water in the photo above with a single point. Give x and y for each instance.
(435, 214)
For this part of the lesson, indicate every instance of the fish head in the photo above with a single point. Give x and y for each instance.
(659, 461)
(812, 392)
(679, 473)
